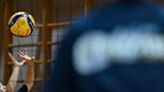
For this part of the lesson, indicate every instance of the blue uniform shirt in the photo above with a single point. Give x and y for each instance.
(112, 50)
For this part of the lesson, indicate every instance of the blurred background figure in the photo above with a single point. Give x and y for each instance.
(118, 48)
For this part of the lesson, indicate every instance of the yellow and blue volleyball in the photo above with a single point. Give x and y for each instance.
(21, 24)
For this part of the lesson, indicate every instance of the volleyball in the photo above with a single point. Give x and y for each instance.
(21, 24)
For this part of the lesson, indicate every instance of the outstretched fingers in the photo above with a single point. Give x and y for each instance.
(21, 52)
(12, 57)
(15, 61)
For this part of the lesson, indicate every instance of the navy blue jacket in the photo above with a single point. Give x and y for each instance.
(140, 76)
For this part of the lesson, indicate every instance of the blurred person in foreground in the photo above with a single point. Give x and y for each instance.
(12, 83)
(118, 48)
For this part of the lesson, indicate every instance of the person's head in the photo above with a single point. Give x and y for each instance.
(2, 88)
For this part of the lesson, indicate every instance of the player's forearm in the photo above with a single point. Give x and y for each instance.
(13, 79)
(30, 75)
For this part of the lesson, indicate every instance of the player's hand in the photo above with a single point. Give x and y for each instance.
(23, 55)
(2, 88)
(16, 63)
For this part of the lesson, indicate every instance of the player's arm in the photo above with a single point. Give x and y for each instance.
(14, 76)
(30, 72)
